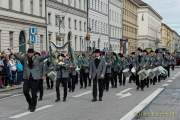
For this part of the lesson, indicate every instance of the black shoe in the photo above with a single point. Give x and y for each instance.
(29, 107)
(40, 99)
(32, 109)
(64, 99)
(94, 100)
(100, 99)
(57, 100)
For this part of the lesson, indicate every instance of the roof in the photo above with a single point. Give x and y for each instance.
(145, 5)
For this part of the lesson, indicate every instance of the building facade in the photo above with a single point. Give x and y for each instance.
(64, 16)
(166, 37)
(115, 24)
(129, 41)
(149, 26)
(176, 42)
(16, 18)
(98, 24)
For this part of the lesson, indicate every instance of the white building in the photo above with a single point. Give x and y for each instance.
(64, 16)
(16, 17)
(98, 24)
(115, 23)
(149, 26)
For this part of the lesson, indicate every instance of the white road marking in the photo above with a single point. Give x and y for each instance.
(11, 97)
(4, 94)
(27, 113)
(169, 81)
(82, 94)
(173, 78)
(133, 113)
(165, 85)
(125, 95)
(126, 90)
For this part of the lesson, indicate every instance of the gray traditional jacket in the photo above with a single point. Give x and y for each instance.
(36, 71)
(99, 72)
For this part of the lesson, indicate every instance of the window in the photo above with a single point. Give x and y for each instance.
(41, 42)
(96, 26)
(80, 41)
(22, 5)
(80, 25)
(92, 25)
(40, 7)
(11, 39)
(75, 5)
(75, 40)
(49, 18)
(69, 23)
(79, 4)
(75, 24)
(85, 26)
(31, 6)
(69, 2)
(10, 4)
(56, 20)
(85, 4)
(49, 36)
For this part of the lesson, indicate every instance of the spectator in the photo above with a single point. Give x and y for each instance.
(1, 72)
(7, 72)
(19, 72)
(13, 70)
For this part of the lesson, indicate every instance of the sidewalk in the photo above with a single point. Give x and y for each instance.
(10, 88)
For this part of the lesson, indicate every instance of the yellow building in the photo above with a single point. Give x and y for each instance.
(166, 37)
(130, 25)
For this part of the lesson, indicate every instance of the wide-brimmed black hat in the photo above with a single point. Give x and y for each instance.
(97, 51)
(30, 50)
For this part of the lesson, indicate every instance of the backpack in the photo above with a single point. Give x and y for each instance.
(19, 67)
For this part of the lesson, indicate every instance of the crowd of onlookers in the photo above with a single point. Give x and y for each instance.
(11, 71)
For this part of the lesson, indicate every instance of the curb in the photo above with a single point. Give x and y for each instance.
(142, 105)
(10, 89)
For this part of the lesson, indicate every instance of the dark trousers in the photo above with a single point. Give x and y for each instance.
(72, 83)
(97, 83)
(140, 83)
(19, 77)
(172, 67)
(49, 83)
(31, 86)
(132, 78)
(122, 78)
(168, 69)
(83, 78)
(114, 79)
(106, 81)
(41, 91)
(64, 82)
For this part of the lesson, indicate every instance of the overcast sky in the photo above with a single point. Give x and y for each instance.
(169, 10)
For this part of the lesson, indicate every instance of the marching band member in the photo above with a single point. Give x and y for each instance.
(97, 73)
(123, 65)
(63, 71)
(72, 82)
(108, 73)
(31, 75)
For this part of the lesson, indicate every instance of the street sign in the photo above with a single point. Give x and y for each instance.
(33, 35)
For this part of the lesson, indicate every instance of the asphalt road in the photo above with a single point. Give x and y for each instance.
(116, 103)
